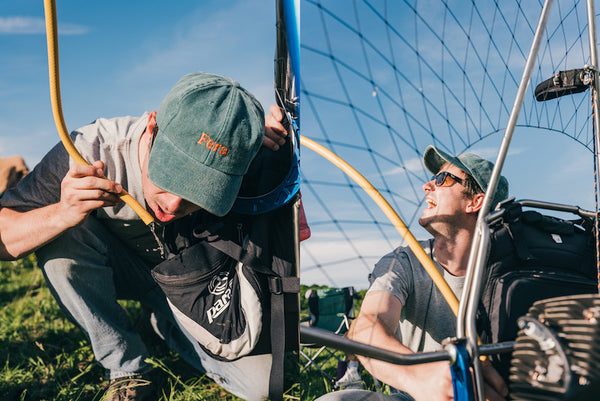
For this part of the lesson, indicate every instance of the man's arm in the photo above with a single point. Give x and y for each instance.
(376, 325)
(82, 191)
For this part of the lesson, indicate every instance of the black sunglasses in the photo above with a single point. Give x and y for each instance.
(440, 179)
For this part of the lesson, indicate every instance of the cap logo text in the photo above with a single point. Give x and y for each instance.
(212, 145)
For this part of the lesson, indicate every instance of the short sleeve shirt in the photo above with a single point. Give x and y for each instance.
(426, 318)
(114, 141)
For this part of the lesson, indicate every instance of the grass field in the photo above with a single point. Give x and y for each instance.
(43, 356)
(314, 383)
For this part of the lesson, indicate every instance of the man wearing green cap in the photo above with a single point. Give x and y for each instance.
(403, 310)
(93, 249)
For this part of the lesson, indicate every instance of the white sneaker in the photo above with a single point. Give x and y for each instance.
(350, 380)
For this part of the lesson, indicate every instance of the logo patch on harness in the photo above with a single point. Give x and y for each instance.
(220, 285)
(219, 306)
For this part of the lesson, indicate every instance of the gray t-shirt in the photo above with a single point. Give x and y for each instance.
(114, 141)
(426, 318)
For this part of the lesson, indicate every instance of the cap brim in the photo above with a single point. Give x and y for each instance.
(434, 159)
(195, 182)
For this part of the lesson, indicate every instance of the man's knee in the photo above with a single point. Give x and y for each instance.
(78, 249)
(75, 266)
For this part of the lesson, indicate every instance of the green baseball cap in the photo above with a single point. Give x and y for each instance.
(209, 130)
(477, 167)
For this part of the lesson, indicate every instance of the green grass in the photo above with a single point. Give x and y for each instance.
(43, 356)
(313, 382)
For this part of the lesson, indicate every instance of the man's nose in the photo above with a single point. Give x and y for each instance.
(429, 186)
(172, 203)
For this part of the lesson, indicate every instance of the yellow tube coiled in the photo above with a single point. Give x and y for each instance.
(412, 243)
(52, 39)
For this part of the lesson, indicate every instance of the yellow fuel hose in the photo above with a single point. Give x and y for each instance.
(52, 38)
(391, 214)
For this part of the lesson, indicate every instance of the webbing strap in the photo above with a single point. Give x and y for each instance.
(278, 287)
(238, 253)
(276, 379)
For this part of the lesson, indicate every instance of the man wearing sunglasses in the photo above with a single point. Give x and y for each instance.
(191, 154)
(403, 309)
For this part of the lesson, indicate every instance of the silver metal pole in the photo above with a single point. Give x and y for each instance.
(594, 67)
(478, 256)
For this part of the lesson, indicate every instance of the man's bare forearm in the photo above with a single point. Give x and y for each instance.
(368, 330)
(23, 232)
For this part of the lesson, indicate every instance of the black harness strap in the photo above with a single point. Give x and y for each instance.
(278, 287)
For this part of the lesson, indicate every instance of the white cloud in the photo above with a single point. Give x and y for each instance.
(22, 25)
(328, 258)
(414, 165)
(36, 26)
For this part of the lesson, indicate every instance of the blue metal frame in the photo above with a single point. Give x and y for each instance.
(290, 186)
(462, 382)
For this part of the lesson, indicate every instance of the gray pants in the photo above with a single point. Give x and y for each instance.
(363, 395)
(88, 269)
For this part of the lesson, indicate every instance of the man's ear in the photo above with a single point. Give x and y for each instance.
(475, 203)
(151, 125)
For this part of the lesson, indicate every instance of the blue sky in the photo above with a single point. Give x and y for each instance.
(121, 58)
(382, 80)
